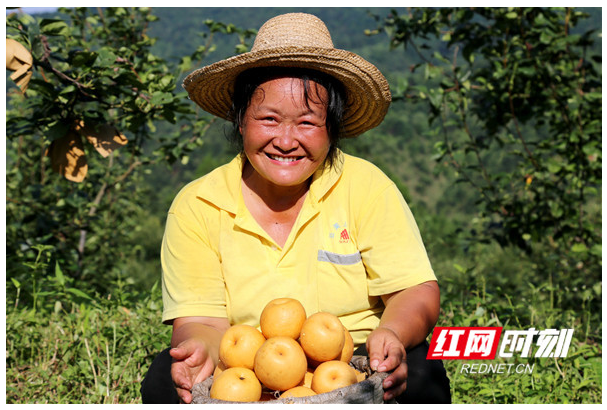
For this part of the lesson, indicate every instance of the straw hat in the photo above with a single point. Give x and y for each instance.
(297, 40)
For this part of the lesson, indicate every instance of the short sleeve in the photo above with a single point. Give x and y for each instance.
(192, 282)
(391, 245)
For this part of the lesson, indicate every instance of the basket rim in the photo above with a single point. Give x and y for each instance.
(360, 363)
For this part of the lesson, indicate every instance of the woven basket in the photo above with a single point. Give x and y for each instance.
(369, 391)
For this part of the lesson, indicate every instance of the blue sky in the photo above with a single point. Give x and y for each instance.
(33, 10)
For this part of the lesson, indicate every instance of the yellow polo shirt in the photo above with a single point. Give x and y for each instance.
(354, 240)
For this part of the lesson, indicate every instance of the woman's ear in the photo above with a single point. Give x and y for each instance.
(241, 124)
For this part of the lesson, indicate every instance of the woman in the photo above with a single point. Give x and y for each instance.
(293, 216)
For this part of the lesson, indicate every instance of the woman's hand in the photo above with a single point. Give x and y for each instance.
(387, 353)
(191, 364)
(195, 351)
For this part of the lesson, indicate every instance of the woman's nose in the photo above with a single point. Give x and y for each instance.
(286, 139)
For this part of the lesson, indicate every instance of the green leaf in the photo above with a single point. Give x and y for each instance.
(78, 292)
(59, 274)
(160, 98)
(54, 27)
(83, 58)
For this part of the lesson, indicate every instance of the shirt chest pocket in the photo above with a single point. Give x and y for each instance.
(342, 279)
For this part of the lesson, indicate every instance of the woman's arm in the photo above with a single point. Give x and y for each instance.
(412, 313)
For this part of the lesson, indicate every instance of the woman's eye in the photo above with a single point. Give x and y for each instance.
(308, 123)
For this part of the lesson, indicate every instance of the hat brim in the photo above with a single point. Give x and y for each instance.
(368, 92)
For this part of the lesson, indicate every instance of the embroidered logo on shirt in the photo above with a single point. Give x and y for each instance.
(344, 236)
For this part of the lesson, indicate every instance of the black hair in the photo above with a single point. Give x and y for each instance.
(248, 81)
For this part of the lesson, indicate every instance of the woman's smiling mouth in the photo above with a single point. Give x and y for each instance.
(283, 159)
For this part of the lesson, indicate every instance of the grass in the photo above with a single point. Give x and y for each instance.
(91, 353)
(69, 349)
(573, 379)
(491, 286)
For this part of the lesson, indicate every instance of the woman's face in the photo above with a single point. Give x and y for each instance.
(285, 139)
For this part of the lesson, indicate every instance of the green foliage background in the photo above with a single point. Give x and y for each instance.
(514, 237)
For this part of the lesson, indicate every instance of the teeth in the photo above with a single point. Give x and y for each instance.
(283, 159)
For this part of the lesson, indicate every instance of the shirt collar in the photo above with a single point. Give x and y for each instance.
(325, 178)
(222, 186)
